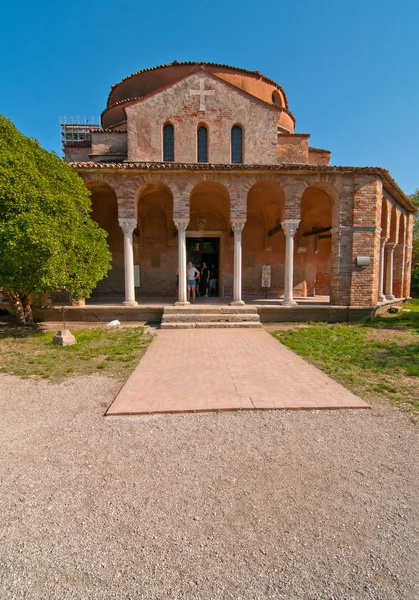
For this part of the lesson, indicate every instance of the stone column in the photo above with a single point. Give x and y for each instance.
(181, 225)
(237, 282)
(381, 296)
(289, 227)
(389, 270)
(128, 226)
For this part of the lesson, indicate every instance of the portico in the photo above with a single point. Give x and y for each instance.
(202, 162)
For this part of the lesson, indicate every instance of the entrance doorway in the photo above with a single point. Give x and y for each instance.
(200, 250)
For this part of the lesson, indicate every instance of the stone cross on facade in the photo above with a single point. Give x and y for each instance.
(202, 92)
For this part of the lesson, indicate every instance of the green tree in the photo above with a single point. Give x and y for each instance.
(48, 240)
(415, 253)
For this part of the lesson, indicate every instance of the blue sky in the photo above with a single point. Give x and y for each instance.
(350, 68)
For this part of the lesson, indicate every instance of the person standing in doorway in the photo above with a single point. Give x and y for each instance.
(205, 273)
(198, 281)
(213, 280)
(192, 275)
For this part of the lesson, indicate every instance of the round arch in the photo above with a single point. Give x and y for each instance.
(155, 242)
(313, 241)
(384, 217)
(263, 238)
(393, 225)
(208, 234)
(105, 213)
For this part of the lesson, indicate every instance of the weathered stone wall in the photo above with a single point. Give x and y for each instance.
(226, 107)
(77, 153)
(318, 157)
(293, 148)
(109, 144)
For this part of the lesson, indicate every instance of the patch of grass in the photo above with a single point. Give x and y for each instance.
(32, 353)
(408, 317)
(374, 360)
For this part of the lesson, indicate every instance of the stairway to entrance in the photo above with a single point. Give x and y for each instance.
(190, 317)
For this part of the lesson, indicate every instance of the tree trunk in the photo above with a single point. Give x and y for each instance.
(27, 310)
(22, 306)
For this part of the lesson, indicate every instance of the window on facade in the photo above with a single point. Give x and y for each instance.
(202, 144)
(168, 143)
(276, 98)
(236, 144)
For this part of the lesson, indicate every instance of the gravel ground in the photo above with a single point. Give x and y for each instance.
(282, 505)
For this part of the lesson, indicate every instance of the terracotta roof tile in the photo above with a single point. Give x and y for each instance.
(80, 144)
(175, 63)
(319, 149)
(108, 130)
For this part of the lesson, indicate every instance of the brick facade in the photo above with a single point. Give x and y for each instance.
(343, 213)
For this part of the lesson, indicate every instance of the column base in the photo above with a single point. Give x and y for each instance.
(390, 297)
(381, 298)
(130, 303)
(237, 303)
(179, 303)
(289, 303)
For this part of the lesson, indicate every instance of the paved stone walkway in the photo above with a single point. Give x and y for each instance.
(202, 370)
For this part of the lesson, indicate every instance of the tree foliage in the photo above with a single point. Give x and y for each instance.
(415, 253)
(48, 240)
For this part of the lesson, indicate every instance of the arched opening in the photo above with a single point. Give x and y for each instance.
(313, 242)
(393, 225)
(208, 237)
(389, 255)
(202, 144)
(236, 144)
(276, 98)
(105, 213)
(399, 260)
(384, 217)
(155, 242)
(263, 239)
(168, 143)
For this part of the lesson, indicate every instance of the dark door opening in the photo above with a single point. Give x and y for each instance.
(200, 250)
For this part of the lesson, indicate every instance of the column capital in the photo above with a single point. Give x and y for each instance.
(181, 224)
(290, 226)
(390, 246)
(237, 226)
(127, 225)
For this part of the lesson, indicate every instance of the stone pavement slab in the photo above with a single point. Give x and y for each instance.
(220, 369)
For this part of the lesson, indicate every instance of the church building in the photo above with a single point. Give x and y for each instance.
(200, 162)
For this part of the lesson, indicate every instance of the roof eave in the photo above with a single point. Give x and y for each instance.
(388, 182)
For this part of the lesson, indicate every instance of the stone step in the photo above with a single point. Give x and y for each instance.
(186, 310)
(203, 317)
(212, 325)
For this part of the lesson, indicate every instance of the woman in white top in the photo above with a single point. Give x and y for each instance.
(192, 276)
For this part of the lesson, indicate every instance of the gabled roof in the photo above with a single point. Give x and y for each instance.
(144, 82)
(222, 81)
(211, 64)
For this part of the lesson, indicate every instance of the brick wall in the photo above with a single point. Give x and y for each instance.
(366, 240)
(318, 157)
(112, 144)
(293, 148)
(156, 199)
(77, 153)
(227, 107)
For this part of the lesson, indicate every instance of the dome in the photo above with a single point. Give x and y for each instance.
(144, 82)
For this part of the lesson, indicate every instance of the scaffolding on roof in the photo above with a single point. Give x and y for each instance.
(75, 131)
